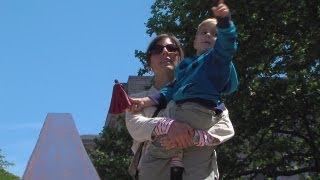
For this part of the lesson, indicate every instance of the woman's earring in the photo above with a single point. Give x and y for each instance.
(150, 72)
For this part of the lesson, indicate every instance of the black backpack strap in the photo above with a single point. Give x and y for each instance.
(155, 114)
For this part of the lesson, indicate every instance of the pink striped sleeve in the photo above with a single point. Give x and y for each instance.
(162, 127)
(205, 139)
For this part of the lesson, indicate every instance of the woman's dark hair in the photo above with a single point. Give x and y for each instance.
(174, 40)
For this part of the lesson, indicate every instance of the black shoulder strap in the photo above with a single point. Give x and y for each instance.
(155, 114)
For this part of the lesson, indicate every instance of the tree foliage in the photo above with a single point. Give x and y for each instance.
(112, 154)
(3, 173)
(276, 110)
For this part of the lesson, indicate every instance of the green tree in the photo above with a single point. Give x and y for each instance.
(276, 110)
(4, 175)
(112, 155)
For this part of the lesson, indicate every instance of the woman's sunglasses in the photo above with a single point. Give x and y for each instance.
(157, 49)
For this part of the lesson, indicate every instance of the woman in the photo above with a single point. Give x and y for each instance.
(163, 54)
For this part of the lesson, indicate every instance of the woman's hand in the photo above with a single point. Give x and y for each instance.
(179, 136)
(167, 143)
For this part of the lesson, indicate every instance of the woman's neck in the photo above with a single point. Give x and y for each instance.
(161, 81)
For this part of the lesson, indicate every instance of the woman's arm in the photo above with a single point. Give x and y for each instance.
(140, 125)
(217, 134)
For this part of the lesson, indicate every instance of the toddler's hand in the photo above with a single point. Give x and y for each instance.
(137, 104)
(221, 10)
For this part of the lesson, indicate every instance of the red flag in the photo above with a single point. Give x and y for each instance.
(119, 100)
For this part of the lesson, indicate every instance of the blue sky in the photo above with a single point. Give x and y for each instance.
(62, 56)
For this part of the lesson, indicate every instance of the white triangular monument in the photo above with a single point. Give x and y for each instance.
(59, 153)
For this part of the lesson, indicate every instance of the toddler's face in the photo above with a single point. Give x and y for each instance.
(205, 38)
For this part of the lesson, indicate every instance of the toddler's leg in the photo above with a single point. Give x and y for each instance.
(177, 168)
